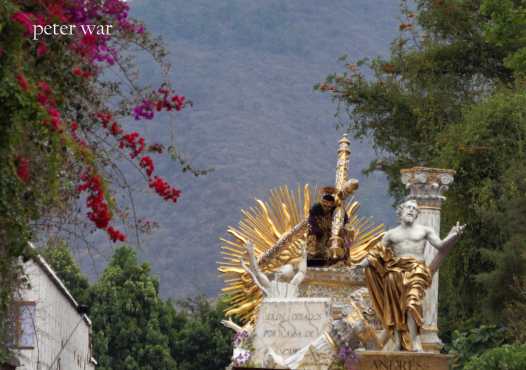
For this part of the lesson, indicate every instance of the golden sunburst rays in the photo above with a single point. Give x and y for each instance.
(264, 225)
(277, 230)
(364, 229)
(365, 234)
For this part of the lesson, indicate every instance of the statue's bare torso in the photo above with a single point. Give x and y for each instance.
(408, 241)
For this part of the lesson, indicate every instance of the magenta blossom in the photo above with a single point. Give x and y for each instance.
(144, 110)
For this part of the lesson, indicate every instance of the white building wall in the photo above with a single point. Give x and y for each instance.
(57, 322)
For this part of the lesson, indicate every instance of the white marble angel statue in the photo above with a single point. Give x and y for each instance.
(283, 283)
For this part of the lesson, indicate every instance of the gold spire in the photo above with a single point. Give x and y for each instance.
(344, 188)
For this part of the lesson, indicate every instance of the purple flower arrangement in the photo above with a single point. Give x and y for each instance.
(348, 357)
(240, 337)
(241, 357)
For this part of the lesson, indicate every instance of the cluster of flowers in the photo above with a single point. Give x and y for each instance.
(240, 338)
(22, 169)
(45, 99)
(135, 143)
(241, 357)
(165, 100)
(348, 357)
(99, 212)
(93, 49)
(79, 72)
(163, 189)
(132, 141)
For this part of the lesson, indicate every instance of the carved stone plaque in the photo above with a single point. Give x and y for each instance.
(374, 360)
(288, 325)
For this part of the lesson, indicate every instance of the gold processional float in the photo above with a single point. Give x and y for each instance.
(279, 226)
(367, 285)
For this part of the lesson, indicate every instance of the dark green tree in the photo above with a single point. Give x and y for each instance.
(202, 342)
(127, 313)
(451, 94)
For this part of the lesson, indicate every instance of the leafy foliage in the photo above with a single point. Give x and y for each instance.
(516, 311)
(202, 343)
(508, 357)
(451, 96)
(473, 342)
(126, 314)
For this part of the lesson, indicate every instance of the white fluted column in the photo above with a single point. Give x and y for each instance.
(427, 186)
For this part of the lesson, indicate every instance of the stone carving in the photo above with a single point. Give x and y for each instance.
(427, 183)
(284, 327)
(398, 276)
(347, 332)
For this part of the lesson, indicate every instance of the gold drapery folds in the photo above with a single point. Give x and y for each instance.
(396, 285)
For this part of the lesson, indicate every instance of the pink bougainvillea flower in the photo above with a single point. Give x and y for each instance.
(28, 20)
(178, 101)
(147, 163)
(44, 87)
(104, 117)
(41, 49)
(144, 110)
(25, 19)
(133, 141)
(22, 82)
(22, 169)
(116, 129)
(77, 71)
(44, 95)
(56, 9)
(164, 189)
(115, 235)
(99, 212)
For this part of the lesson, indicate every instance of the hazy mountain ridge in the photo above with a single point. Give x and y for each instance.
(249, 67)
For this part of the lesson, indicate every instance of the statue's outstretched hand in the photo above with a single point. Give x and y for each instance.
(231, 325)
(457, 229)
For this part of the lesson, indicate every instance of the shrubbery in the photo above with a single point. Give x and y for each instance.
(507, 357)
